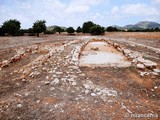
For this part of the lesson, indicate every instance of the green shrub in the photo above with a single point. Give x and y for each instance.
(97, 30)
(70, 30)
(11, 27)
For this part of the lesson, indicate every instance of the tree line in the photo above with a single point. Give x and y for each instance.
(13, 27)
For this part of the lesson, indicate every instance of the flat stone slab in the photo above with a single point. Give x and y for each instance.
(106, 56)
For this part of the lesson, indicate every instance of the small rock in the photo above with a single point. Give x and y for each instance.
(71, 79)
(59, 73)
(86, 91)
(10, 73)
(74, 83)
(126, 52)
(23, 80)
(86, 86)
(55, 81)
(26, 94)
(132, 45)
(93, 94)
(155, 87)
(47, 77)
(64, 79)
(97, 89)
(99, 93)
(19, 106)
(154, 73)
(52, 88)
(17, 84)
(144, 73)
(54, 75)
(82, 75)
(47, 83)
(33, 74)
(38, 101)
(119, 49)
(50, 72)
(18, 95)
(134, 61)
(156, 70)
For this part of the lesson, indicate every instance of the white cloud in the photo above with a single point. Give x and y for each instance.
(53, 11)
(132, 13)
(31, 10)
(82, 6)
(75, 12)
(115, 10)
(139, 10)
(156, 1)
(77, 9)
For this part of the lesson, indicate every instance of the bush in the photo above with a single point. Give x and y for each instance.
(111, 29)
(79, 30)
(70, 30)
(11, 27)
(157, 29)
(58, 29)
(97, 30)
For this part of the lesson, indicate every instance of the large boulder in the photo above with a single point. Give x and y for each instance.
(147, 63)
(140, 66)
(15, 58)
(4, 63)
(126, 52)
(150, 65)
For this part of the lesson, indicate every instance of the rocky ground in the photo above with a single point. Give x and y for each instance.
(40, 79)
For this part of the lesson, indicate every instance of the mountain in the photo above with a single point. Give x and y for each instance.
(147, 24)
(140, 25)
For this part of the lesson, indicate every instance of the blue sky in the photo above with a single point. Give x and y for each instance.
(75, 12)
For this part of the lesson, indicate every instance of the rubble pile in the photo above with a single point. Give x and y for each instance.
(145, 66)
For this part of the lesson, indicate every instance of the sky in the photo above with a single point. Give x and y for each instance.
(75, 12)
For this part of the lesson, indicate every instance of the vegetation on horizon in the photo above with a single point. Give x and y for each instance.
(12, 27)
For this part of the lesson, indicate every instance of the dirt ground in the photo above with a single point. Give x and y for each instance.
(46, 83)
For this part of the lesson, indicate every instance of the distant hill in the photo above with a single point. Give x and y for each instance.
(147, 24)
(52, 27)
(118, 27)
(140, 25)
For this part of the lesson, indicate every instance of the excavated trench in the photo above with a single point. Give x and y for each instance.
(101, 54)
